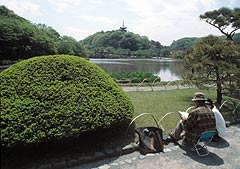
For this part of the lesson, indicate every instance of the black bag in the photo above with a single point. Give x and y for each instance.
(150, 140)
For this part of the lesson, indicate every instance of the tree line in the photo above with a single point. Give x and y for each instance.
(21, 39)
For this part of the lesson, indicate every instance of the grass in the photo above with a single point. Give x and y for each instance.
(162, 102)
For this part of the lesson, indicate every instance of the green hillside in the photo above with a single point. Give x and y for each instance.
(119, 43)
(21, 39)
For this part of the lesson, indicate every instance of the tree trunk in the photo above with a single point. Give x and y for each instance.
(229, 37)
(219, 87)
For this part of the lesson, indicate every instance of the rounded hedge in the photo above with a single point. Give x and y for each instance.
(58, 96)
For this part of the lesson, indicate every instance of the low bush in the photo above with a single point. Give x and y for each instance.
(59, 96)
(134, 77)
(230, 108)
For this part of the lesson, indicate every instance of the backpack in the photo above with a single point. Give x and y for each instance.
(150, 140)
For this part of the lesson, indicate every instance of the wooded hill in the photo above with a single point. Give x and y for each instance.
(113, 44)
(21, 39)
(120, 43)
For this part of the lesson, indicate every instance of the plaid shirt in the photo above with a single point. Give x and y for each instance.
(199, 120)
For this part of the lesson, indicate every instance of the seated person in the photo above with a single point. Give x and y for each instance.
(220, 122)
(199, 120)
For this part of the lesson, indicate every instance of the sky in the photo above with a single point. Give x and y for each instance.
(159, 20)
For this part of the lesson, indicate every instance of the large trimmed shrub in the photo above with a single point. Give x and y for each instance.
(58, 96)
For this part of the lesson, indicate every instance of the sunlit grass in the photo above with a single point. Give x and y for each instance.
(162, 102)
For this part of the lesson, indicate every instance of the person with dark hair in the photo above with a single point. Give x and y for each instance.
(220, 122)
(199, 120)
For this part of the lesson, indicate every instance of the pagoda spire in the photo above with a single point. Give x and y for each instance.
(123, 28)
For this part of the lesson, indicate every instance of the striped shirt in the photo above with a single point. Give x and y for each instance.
(199, 120)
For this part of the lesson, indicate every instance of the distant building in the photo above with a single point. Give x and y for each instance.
(123, 28)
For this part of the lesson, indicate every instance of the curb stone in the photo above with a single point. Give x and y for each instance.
(129, 149)
(75, 161)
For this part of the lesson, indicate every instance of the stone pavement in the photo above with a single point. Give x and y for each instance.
(154, 88)
(223, 155)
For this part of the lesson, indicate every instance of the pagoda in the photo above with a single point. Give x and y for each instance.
(123, 28)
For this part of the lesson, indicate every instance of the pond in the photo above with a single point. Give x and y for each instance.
(166, 69)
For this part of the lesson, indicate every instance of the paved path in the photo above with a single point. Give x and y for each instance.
(223, 155)
(153, 88)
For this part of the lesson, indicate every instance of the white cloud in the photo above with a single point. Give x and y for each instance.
(234, 3)
(96, 2)
(64, 4)
(75, 32)
(97, 19)
(169, 20)
(22, 8)
(208, 4)
(162, 18)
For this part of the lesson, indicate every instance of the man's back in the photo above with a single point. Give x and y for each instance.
(200, 120)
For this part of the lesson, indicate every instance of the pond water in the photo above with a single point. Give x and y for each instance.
(166, 69)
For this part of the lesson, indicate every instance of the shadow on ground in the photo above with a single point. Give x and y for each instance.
(212, 159)
(86, 144)
(221, 143)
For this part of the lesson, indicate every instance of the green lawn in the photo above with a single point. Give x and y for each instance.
(161, 102)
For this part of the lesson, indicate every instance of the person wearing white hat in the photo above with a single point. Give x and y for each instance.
(220, 122)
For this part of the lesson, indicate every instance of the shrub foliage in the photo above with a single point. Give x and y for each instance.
(134, 77)
(59, 96)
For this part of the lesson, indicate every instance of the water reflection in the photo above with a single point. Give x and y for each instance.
(167, 70)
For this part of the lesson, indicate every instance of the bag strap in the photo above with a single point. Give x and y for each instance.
(159, 137)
